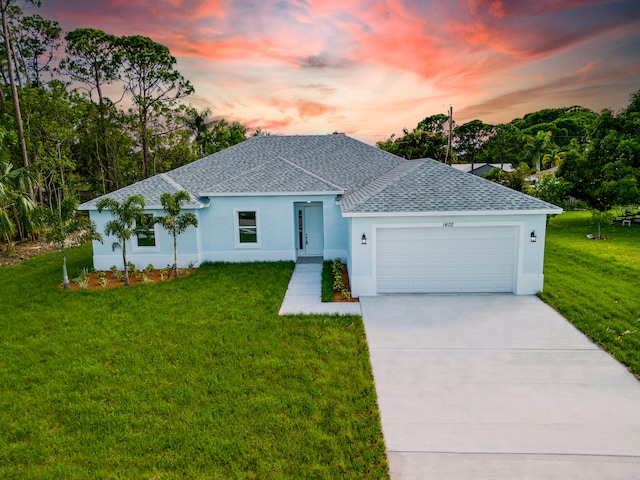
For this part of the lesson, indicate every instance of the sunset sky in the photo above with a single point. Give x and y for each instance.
(368, 68)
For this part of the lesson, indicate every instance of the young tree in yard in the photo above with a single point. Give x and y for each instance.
(175, 222)
(64, 221)
(128, 220)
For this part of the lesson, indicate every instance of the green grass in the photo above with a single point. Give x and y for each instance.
(197, 378)
(327, 281)
(595, 284)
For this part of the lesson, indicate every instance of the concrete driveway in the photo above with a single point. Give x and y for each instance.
(497, 387)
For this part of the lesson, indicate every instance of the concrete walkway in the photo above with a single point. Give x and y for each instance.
(497, 387)
(304, 293)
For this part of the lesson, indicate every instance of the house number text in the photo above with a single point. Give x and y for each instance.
(447, 224)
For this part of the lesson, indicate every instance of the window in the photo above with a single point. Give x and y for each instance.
(247, 228)
(147, 238)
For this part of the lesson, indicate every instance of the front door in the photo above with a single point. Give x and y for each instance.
(313, 235)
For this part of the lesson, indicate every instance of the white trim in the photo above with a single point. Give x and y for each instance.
(236, 229)
(270, 194)
(455, 213)
(520, 242)
(201, 205)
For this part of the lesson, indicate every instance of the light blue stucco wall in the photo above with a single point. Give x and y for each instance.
(529, 276)
(215, 239)
(277, 227)
(159, 256)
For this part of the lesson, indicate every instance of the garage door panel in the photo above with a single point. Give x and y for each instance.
(444, 260)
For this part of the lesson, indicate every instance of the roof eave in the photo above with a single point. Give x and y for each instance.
(456, 213)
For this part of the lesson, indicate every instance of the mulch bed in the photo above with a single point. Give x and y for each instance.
(337, 296)
(154, 276)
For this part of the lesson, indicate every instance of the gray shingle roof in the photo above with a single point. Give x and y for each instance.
(371, 180)
(430, 186)
(151, 189)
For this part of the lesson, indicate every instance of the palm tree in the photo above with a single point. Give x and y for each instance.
(175, 222)
(64, 221)
(537, 146)
(553, 158)
(15, 201)
(127, 221)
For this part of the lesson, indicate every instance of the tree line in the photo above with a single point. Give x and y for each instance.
(597, 155)
(86, 112)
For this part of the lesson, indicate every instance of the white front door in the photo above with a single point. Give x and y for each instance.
(313, 234)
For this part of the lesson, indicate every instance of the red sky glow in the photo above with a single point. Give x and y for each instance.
(370, 68)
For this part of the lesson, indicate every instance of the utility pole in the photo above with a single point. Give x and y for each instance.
(447, 159)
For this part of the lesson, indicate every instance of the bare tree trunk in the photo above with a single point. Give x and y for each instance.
(14, 91)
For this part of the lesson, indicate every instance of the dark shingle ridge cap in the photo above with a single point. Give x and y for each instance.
(351, 200)
(310, 173)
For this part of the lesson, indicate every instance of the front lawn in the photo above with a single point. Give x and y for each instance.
(596, 283)
(193, 378)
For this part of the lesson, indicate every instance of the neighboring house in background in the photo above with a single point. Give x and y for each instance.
(401, 226)
(534, 177)
(481, 169)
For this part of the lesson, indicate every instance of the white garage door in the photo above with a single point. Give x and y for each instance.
(446, 259)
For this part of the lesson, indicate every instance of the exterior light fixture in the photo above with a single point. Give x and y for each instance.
(534, 239)
(363, 240)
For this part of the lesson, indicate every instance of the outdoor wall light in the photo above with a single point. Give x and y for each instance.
(533, 236)
(363, 240)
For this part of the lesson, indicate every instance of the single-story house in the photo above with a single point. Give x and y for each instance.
(401, 226)
(481, 169)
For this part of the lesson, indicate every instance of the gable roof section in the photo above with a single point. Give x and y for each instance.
(151, 189)
(428, 186)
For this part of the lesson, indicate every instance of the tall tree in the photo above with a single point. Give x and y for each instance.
(504, 147)
(427, 140)
(535, 148)
(153, 82)
(37, 42)
(175, 222)
(92, 60)
(470, 137)
(6, 7)
(127, 220)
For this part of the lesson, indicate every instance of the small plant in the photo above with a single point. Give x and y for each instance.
(190, 265)
(131, 266)
(182, 271)
(101, 274)
(83, 281)
(104, 281)
(161, 276)
(164, 273)
(114, 270)
(118, 275)
(149, 268)
(338, 284)
(145, 279)
(84, 272)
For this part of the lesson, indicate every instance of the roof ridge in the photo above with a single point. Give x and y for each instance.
(165, 176)
(309, 172)
(355, 198)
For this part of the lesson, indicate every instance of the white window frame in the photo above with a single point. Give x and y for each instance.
(154, 248)
(236, 228)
